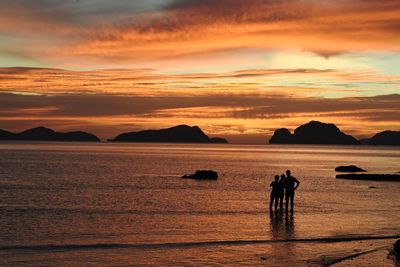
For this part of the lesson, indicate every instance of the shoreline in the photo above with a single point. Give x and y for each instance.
(351, 252)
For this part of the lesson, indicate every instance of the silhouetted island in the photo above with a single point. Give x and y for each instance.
(202, 175)
(6, 135)
(314, 132)
(386, 138)
(45, 134)
(177, 134)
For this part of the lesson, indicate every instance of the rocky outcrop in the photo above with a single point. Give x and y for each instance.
(45, 134)
(349, 168)
(177, 134)
(202, 175)
(386, 138)
(282, 136)
(314, 132)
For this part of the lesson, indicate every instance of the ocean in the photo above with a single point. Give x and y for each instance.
(125, 204)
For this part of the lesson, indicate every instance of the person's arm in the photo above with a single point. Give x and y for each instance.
(297, 183)
(272, 184)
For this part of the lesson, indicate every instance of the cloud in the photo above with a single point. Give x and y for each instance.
(192, 27)
(133, 31)
(152, 83)
(242, 106)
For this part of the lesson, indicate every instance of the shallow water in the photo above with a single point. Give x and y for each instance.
(122, 204)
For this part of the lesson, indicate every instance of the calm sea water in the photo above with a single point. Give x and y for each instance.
(125, 204)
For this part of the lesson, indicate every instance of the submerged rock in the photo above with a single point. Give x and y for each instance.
(349, 168)
(202, 175)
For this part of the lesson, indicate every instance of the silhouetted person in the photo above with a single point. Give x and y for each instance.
(291, 185)
(274, 193)
(281, 193)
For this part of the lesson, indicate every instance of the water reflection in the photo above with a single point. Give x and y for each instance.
(289, 225)
(282, 225)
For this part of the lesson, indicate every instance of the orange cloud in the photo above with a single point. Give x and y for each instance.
(207, 27)
(189, 28)
(149, 82)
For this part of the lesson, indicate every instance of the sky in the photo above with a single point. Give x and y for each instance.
(237, 69)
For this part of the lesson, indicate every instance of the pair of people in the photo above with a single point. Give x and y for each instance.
(283, 186)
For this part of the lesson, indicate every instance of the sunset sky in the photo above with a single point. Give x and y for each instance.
(237, 68)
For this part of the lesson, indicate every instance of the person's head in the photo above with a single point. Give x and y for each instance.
(276, 177)
(288, 172)
(283, 176)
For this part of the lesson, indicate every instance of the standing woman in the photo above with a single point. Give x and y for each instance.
(274, 193)
(281, 191)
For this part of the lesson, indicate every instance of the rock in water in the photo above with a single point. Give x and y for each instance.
(202, 175)
(349, 168)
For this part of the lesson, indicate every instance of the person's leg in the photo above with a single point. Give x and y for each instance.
(291, 200)
(281, 201)
(276, 197)
(271, 201)
(286, 201)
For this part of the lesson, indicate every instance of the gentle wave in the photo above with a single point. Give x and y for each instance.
(194, 244)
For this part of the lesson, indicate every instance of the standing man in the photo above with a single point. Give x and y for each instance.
(291, 185)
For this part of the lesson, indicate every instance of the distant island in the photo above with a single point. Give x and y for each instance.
(45, 134)
(386, 138)
(314, 132)
(177, 134)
